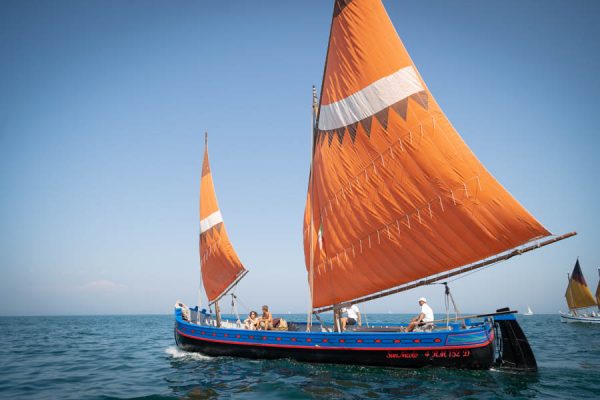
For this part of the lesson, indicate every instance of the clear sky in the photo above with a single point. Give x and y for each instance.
(103, 106)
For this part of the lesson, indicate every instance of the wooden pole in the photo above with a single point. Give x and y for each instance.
(310, 210)
(218, 314)
(337, 324)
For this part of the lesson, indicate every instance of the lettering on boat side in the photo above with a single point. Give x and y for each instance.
(402, 354)
(430, 354)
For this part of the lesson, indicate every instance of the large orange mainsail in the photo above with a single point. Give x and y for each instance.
(395, 194)
(220, 265)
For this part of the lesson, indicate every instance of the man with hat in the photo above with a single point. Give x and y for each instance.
(426, 316)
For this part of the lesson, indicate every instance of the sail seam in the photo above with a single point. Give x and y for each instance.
(395, 224)
(379, 159)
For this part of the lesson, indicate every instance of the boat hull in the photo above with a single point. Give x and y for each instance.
(467, 349)
(579, 319)
(457, 357)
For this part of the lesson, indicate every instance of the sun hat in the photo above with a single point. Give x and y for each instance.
(423, 299)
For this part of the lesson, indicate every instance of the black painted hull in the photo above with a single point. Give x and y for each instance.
(465, 358)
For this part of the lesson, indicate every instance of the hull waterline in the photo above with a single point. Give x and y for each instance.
(579, 319)
(473, 348)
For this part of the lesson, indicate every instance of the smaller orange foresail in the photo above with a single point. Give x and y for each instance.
(220, 265)
(578, 293)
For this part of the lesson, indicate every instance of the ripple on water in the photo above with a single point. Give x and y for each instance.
(135, 357)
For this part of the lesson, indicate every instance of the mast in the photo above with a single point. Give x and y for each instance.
(200, 233)
(315, 106)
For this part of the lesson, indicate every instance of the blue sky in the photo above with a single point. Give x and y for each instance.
(103, 106)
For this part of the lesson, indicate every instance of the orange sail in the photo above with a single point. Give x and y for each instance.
(578, 293)
(221, 267)
(395, 194)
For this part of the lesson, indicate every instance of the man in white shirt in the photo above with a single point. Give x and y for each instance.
(352, 316)
(426, 316)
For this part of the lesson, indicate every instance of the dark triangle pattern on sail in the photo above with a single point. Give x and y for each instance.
(397, 193)
(578, 293)
(220, 264)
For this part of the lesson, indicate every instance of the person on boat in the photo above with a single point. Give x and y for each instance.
(351, 316)
(425, 316)
(252, 321)
(266, 321)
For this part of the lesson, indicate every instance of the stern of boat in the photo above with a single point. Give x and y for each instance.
(512, 347)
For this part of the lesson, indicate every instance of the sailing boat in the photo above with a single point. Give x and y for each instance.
(395, 200)
(529, 311)
(598, 291)
(579, 297)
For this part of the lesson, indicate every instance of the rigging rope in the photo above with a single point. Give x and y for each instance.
(449, 298)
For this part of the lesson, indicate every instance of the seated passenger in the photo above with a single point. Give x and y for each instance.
(351, 316)
(424, 317)
(252, 321)
(266, 321)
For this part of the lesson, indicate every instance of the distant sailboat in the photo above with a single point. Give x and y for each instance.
(598, 291)
(579, 297)
(529, 311)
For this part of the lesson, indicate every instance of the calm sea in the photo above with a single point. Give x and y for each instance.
(135, 357)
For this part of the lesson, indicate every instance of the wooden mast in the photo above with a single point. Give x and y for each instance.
(216, 302)
(315, 110)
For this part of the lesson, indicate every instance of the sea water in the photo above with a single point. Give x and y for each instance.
(136, 357)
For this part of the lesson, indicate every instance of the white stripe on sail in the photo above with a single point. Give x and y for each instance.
(370, 100)
(210, 221)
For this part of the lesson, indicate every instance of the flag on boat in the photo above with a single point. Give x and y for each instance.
(398, 192)
(220, 265)
(320, 239)
(578, 293)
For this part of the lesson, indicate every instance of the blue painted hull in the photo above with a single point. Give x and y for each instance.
(469, 348)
